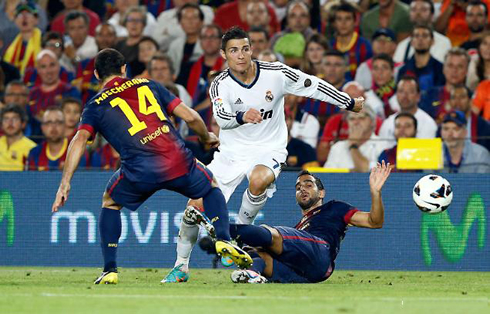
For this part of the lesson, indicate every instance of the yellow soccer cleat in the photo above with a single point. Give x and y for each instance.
(108, 278)
(239, 256)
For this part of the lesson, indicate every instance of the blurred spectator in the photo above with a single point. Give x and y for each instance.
(479, 69)
(347, 40)
(384, 42)
(383, 88)
(481, 101)
(478, 128)
(22, 52)
(168, 28)
(461, 155)
(51, 153)
(85, 81)
(161, 70)
(360, 151)
(408, 96)
(267, 56)
(436, 101)
(300, 154)
(58, 23)
(392, 14)
(305, 126)
(259, 39)
(10, 73)
(118, 19)
(422, 13)
(452, 20)
(290, 42)
(186, 50)
(258, 16)
(280, 8)
(80, 45)
(17, 93)
(422, 65)
(334, 68)
(405, 127)
(14, 146)
(134, 20)
(8, 14)
(52, 89)
(211, 60)
(105, 158)
(315, 48)
(477, 21)
(234, 13)
(72, 110)
(147, 48)
(56, 43)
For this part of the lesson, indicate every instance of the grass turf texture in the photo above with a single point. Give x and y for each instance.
(70, 290)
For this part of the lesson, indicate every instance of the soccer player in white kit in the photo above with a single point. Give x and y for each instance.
(248, 105)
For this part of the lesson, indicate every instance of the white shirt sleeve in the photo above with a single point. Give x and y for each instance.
(302, 84)
(222, 109)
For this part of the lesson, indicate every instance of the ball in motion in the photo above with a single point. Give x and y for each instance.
(432, 194)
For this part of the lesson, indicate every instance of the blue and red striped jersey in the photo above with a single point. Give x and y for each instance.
(32, 78)
(85, 79)
(329, 222)
(132, 115)
(39, 158)
(39, 100)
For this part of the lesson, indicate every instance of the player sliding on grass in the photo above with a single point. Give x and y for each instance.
(307, 252)
(248, 104)
(133, 116)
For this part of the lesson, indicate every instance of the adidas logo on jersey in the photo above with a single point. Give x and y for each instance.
(238, 102)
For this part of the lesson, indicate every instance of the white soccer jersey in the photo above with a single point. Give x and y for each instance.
(231, 99)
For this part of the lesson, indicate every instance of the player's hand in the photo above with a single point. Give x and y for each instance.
(358, 104)
(211, 142)
(378, 176)
(61, 197)
(252, 116)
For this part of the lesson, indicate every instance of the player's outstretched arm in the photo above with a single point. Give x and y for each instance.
(375, 218)
(73, 156)
(195, 123)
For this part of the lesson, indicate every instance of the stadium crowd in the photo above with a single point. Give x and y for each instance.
(422, 66)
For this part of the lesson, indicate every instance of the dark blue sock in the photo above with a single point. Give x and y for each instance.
(251, 235)
(110, 231)
(215, 208)
(258, 265)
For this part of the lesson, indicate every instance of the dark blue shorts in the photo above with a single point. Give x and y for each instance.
(195, 184)
(305, 258)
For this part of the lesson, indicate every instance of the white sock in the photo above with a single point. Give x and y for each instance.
(251, 205)
(187, 238)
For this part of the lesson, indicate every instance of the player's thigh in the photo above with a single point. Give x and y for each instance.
(228, 174)
(126, 193)
(282, 273)
(269, 162)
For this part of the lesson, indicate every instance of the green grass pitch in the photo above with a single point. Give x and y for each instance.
(70, 290)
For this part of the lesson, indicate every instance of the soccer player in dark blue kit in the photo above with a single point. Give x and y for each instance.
(133, 116)
(307, 252)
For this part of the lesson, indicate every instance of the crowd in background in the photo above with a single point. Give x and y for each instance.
(422, 66)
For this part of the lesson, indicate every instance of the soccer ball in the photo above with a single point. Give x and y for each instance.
(432, 194)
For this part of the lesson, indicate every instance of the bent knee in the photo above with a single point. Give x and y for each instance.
(108, 202)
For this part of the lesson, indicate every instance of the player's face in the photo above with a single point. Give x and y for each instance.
(314, 52)
(72, 114)
(382, 72)
(53, 126)
(460, 100)
(420, 12)
(307, 193)
(77, 30)
(404, 127)
(452, 134)
(455, 69)
(48, 69)
(12, 124)
(238, 54)
(344, 23)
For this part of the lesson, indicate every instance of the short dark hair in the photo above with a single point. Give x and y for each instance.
(424, 26)
(160, 56)
(190, 5)
(408, 115)
(71, 100)
(432, 8)
(109, 62)
(477, 3)
(150, 39)
(346, 7)
(74, 14)
(410, 78)
(52, 36)
(384, 57)
(259, 29)
(318, 182)
(14, 109)
(212, 26)
(461, 86)
(233, 33)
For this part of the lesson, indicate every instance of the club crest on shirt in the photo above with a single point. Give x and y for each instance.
(218, 102)
(268, 96)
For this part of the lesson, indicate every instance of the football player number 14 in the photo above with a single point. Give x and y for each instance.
(144, 94)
